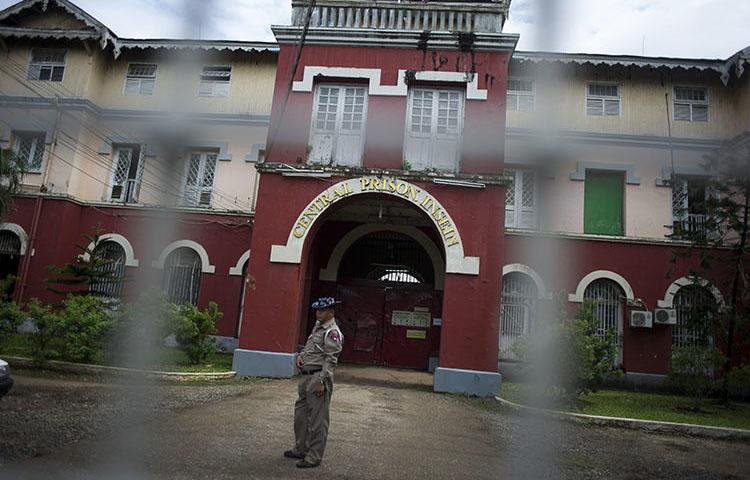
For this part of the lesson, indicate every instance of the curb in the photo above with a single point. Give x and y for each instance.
(650, 426)
(83, 368)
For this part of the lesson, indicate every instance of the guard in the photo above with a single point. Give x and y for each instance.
(315, 366)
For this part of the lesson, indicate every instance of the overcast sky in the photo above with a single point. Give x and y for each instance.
(677, 28)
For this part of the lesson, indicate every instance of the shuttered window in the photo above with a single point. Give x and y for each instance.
(690, 104)
(338, 125)
(199, 179)
(520, 95)
(603, 203)
(140, 79)
(29, 148)
(433, 129)
(47, 64)
(603, 100)
(215, 81)
(520, 200)
(127, 171)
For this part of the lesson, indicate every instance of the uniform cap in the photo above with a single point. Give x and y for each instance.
(324, 302)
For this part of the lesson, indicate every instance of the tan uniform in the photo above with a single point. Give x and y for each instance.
(311, 412)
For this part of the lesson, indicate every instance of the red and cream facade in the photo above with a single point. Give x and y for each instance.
(394, 161)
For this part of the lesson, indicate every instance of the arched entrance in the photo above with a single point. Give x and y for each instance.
(388, 272)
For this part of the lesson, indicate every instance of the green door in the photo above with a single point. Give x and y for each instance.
(602, 204)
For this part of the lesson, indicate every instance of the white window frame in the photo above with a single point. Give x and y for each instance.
(51, 65)
(214, 82)
(518, 208)
(691, 103)
(140, 79)
(519, 93)
(433, 126)
(138, 174)
(193, 199)
(339, 121)
(603, 99)
(39, 138)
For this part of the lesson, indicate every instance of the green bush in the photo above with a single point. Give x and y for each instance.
(85, 325)
(47, 328)
(692, 370)
(192, 329)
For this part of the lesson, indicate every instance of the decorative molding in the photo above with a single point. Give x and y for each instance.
(130, 260)
(373, 75)
(106, 147)
(206, 266)
(237, 269)
(629, 169)
(221, 146)
(674, 287)
(541, 291)
(596, 275)
(19, 232)
(331, 271)
(682, 171)
(255, 150)
(455, 262)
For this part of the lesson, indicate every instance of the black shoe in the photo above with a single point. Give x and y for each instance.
(293, 454)
(305, 464)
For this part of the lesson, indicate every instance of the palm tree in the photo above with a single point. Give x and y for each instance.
(11, 173)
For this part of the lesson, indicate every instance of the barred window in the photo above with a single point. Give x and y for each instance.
(695, 308)
(215, 81)
(29, 147)
(182, 276)
(520, 199)
(520, 95)
(109, 286)
(690, 104)
(603, 100)
(47, 64)
(518, 310)
(199, 179)
(608, 299)
(140, 79)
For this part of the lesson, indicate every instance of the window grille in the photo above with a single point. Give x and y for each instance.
(690, 104)
(695, 307)
(603, 100)
(520, 97)
(140, 79)
(337, 134)
(520, 199)
(689, 207)
(10, 244)
(199, 179)
(214, 81)
(29, 147)
(518, 311)
(182, 276)
(608, 299)
(110, 286)
(47, 64)
(127, 170)
(434, 129)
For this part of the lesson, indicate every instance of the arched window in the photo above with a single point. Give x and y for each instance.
(10, 256)
(608, 298)
(518, 311)
(182, 276)
(695, 309)
(110, 286)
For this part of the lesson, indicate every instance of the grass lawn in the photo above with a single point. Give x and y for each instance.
(649, 406)
(170, 359)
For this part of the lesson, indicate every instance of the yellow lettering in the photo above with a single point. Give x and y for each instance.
(413, 193)
(299, 231)
(347, 189)
(402, 191)
(426, 202)
(375, 182)
(325, 199)
(452, 240)
(364, 183)
(391, 185)
(435, 209)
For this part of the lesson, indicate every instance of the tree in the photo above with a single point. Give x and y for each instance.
(11, 174)
(88, 269)
(720, 239)
(192, 329)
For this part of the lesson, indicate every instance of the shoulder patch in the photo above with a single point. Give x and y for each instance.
(334, 335)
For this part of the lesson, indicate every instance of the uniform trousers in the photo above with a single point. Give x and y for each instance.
(311, 418)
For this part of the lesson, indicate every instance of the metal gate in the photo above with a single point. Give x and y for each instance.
(608, 299)
(695, 307)
(110, 286)
(518, 308)
(182, 276)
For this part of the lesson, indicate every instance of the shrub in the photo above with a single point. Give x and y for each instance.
(85, 325)
(692, 370)
(47, 327)
(192, 327)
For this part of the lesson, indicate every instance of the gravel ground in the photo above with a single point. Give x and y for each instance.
(46, 411)
(239, 430)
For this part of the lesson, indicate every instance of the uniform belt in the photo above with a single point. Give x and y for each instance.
(310, 372)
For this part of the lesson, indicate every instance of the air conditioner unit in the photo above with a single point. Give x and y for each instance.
(641, 319)
(665, 316)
